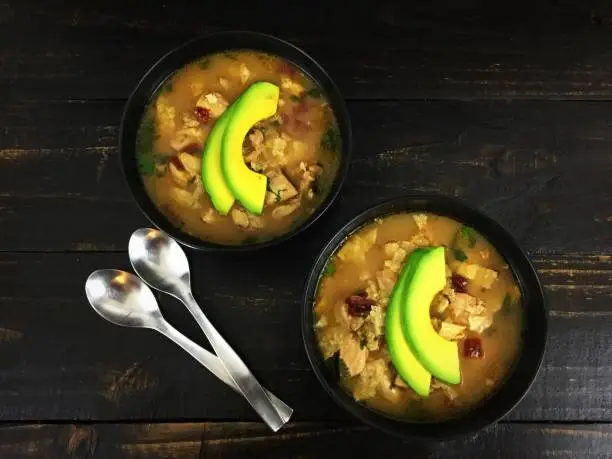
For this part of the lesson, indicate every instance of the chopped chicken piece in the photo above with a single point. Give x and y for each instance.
(280, 185)
(450, 393)
(310, 172)
(255, 221)
(245, 73)
(214, 102)
(386, 280)
(439, 304)
(197, 87)
(375, 374)
(462, 306)
(184, 198)
(257, 138)
(479, 323)
(421, 221)
(224, 82)
(479, 275)
(391, 248)
(372, 290)
(165, 114)
(435, 323)
(353, 355)
(180, 176)
(189, 121)
(209, 216)
(291, 86)
(342, 317)
(185, 137)
(420, 240)
(285, 209)
(278, 147)
(190, 162)
(395, 264)
(451, 331)
(240, 218)
(330, 340)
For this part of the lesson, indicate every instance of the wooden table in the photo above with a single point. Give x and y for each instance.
(508, 107)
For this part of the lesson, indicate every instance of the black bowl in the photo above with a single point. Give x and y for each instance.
(189, 52)
(534, 322)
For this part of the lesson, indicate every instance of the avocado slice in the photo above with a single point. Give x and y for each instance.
(426, 277)
(402, 356)
(258, 102)
(212, 176)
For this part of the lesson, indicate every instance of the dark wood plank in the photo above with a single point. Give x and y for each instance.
(386, 49)
(60, 361)
(541, 168)
(304, 440)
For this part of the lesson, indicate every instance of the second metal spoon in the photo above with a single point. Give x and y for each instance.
(125, 300)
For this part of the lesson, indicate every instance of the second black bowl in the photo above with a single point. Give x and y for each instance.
(526, 368)
(190, 51)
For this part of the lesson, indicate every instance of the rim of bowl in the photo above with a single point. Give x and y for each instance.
(187, 52)
(535, 322)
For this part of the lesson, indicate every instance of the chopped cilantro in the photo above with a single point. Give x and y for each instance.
(314, 93)
(330, 140)
(469, 234)
(459, 254)
(330, 269)
(506, 307)
(343, 370)
(296, 99)
(204, 63)
(146, 164)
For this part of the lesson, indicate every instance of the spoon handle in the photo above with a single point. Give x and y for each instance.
(214, 365)
(237, 369)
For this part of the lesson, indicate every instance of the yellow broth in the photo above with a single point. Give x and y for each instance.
(301, 142)
(348, 273)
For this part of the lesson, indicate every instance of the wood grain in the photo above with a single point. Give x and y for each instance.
(384, 50)
(66, 363)
(304, 440)
(540, 168)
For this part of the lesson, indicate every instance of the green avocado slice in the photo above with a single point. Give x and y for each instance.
(212, 176)
(258, 102)
(427, 277)
(402, 356)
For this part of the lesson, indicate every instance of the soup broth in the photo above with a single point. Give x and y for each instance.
(296, 149)
(480, 308)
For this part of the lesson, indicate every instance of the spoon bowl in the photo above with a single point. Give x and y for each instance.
(159, 260)
(122, 298)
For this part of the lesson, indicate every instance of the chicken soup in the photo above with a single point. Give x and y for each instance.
(419, 317)
(238, 147)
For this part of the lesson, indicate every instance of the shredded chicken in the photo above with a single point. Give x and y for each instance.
(209, 216)
(291, 86)
(165, 114)
(185, 137)
(330, 340)
(479, 275)
(439, 304)
(386, 280)
(214, 102)
(245, 73)
(451, 331)
(280, 186)
(375, 374)
(285, 209)
(342, 317)
(450, 393)
(396, 261)
(240, 218)
(353, 355)
(462, 306)
(421, 221)
(184, 198)
(224, 82)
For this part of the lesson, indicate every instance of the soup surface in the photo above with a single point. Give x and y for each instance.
(480, 308)
(296, 149)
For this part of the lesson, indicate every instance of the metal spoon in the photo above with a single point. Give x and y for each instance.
(161, 263)
(123, 299)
